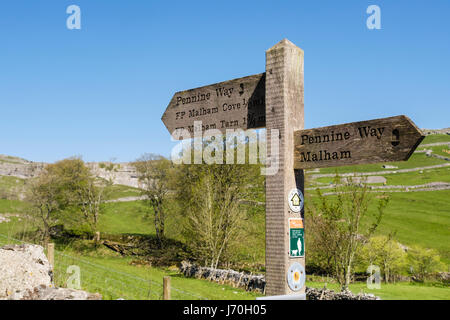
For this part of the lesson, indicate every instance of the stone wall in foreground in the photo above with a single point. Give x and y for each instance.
(257, 283)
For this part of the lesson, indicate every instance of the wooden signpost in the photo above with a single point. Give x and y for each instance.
(274, 100)
(380, 140)
(238, 103)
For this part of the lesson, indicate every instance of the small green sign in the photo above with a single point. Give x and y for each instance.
(296, 238)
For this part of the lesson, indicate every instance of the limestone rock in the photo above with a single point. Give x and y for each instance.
(23, 267)
(26, 274)
(51, 293)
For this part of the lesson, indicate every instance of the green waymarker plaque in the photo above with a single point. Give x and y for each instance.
(296, 238)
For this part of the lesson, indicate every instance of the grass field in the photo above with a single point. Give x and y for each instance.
(420, 218)
(121, 191)
(441, 150)
(427, 176)
(406, 178)
(436, 138)
(118, 278)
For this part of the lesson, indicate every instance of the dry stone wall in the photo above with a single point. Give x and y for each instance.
(257, 283)
(237, 279)
(325, 294)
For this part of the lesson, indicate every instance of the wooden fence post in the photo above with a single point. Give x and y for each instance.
(166, 288)
(51, 254)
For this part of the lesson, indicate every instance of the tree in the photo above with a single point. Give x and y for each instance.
(154, 174)
(45, 200)
(54, 191)
(83, 191)
(65, 188)
(337, 225)
(210, 196)
(424, 262)
(385, 252)
(91, 196)
(210, 193)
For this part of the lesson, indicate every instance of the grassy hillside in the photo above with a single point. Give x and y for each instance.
(421, 218)
(121, 191)
(433, 138)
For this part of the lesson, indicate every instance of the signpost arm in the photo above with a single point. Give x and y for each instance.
(284, 112)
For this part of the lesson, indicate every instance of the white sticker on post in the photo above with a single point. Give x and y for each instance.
(295, 200)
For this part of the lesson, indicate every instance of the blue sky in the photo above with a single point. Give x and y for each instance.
(99, 92)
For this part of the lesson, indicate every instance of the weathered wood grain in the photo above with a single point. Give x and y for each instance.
(372, 141)
(284, 110)
(237, 103)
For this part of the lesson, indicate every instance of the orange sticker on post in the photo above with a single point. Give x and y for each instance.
(296, 223)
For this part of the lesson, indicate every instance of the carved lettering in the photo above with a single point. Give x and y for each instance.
(331, 137)
(238, 103)
(324, 155)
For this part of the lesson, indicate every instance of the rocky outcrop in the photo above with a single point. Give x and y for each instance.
(23, 170)
(22, 268)
(43, 292)
(435, 131)
(119, 173)
(26, 274)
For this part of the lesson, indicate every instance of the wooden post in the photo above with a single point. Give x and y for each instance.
(284, 112)
(97, 236)
(166, 288)
(51, 254)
